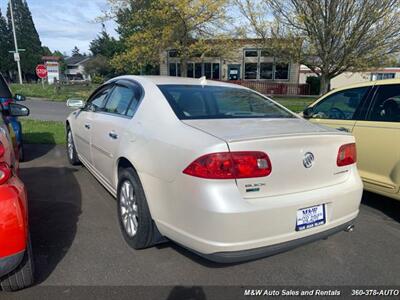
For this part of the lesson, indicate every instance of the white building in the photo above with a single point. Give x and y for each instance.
(247, 61)
(76, 67)
(348, 78)
(52, 64)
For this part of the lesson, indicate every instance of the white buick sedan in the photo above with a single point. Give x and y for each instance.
(215, 167)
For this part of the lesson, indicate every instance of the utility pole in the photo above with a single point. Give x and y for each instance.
(16, 53)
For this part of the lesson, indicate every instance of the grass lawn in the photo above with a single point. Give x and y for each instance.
(295, 104)
(52, 93)
(43, 132)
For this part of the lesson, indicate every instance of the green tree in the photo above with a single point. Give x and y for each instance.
(99, 66)
(46, 51)
(28, 37)
(104, 44)
(76, 51)
(149, 27)
(63, 64)
(58, 53)
(336, 35)
(6, 62)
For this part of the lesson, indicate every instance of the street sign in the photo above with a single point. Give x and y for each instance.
(41, 71)
(17, 57)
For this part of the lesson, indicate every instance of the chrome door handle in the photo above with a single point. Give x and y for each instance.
(87, 126)
(113, 135)
(343, 129)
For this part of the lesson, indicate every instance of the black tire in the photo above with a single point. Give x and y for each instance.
(71, 153)
(146, 231)
(23, 276)
(21, 153)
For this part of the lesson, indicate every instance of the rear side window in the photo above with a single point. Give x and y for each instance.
(386, 104)
(212, 102)
(4, 90)
(341, 105)
(119, 100)
(135, 101)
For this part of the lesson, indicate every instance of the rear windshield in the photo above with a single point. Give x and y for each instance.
(4, 90)
(191, 102)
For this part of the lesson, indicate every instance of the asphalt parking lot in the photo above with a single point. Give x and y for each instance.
(77, 241)
(47, 110)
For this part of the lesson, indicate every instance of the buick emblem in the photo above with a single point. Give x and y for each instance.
(308, 160)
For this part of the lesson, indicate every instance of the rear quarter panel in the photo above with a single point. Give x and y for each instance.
(160, 147)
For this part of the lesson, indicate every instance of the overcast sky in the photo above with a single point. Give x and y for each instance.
(65, 24)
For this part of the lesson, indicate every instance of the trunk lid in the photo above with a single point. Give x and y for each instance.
(288, 143)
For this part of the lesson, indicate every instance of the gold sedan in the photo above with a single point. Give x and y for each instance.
(371, 112)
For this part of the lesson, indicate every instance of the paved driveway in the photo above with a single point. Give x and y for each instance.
(47, 110)
(76, 241)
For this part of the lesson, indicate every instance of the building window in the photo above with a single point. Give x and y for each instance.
(198, 70)
(382, 76)
(216, 73)
(282, 71)
(251, 53)
(173, 53)
(260, 64)
(175, 69)
(250, 71)
(172, 69)
(266, 53)
(190, 70)
(207, 70)
(266, 70)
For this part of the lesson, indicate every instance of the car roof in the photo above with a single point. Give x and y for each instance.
(358, 85)
(368, 83)
(172, 80)
(4, 89)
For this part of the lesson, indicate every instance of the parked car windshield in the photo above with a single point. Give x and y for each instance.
(213, 102)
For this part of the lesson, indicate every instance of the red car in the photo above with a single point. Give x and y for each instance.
(16, 262)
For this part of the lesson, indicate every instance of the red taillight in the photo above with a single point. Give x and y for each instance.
(231, 165)
(347, 155)
(5, 173)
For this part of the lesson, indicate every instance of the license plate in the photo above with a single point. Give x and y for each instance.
(310, 217)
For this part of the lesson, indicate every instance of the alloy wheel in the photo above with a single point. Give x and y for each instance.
(129, 208)
(70, 145)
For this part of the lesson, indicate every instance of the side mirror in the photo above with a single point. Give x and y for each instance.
(75, 103)
(308, 113)
(19, 97)
(18, 110)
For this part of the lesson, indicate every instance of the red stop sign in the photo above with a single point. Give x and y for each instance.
(41, 71)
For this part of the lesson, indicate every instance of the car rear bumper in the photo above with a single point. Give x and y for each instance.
(10, 263)
(252, 254)
(218, 221)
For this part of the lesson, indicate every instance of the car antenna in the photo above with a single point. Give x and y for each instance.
(203, 81)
